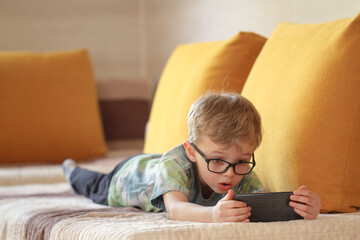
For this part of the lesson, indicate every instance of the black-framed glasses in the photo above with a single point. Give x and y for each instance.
(216, 165)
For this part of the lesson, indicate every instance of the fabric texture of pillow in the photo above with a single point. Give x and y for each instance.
(191, 70)
(306, 85)
(49, 108)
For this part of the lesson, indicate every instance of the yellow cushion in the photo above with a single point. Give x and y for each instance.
(49, 109)
(306, 86)
(192, 70)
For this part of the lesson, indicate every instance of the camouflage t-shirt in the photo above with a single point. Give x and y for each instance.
(143, 180)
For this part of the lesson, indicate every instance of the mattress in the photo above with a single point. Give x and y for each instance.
(37, 203)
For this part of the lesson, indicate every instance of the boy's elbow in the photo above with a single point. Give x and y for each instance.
(171, 212)
(176, 211)
(174, 204)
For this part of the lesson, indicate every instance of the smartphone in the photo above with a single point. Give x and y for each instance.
(269, 207)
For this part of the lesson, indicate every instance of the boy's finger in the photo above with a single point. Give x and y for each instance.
(229, 195)
(308, 209)
(237, 218)
(305, 193)
(305, 214)
(231, 204)
(306, 200)
(241, 211)
(302, 199)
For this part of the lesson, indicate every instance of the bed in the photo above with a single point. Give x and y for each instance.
(310, 118)
(37, 203)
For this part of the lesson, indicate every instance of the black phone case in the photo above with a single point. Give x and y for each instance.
(269, 207)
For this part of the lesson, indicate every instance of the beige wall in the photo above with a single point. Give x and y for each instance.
(109, 29)
(132, 38)
(171, 22)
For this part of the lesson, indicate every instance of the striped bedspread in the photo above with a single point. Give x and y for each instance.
(41, 205)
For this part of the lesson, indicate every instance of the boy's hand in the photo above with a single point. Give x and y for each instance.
(229, 210)
(311, 203)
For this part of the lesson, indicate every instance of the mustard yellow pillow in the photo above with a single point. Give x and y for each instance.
(306, 86)
(192, 70)
(49, 108)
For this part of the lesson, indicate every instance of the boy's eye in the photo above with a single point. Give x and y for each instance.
(218, 160)
(242, 162)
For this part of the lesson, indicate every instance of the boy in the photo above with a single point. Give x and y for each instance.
(201, 175)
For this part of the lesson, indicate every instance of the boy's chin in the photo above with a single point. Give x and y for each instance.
(220, 191)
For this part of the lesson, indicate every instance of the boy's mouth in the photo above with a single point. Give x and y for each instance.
(225, 186)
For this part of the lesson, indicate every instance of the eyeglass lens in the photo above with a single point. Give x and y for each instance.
(221, 166)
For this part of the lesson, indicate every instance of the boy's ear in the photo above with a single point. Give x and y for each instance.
(190, 151)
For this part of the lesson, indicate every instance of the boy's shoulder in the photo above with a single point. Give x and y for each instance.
(250, 184)
(177, 155)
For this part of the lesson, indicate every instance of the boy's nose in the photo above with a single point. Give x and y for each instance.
(229, 172)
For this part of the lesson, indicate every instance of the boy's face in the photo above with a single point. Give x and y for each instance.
(218, 182)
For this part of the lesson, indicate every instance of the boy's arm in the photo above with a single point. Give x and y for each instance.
(226, 210)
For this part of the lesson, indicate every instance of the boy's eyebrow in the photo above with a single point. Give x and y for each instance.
(216, 152)
(222, 152)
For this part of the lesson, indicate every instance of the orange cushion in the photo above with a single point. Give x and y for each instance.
(49, 108)
(306, 86)
(192, 70)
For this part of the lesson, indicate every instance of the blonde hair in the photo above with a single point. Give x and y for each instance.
(226, 118)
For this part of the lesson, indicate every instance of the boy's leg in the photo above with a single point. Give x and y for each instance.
(91, 184)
